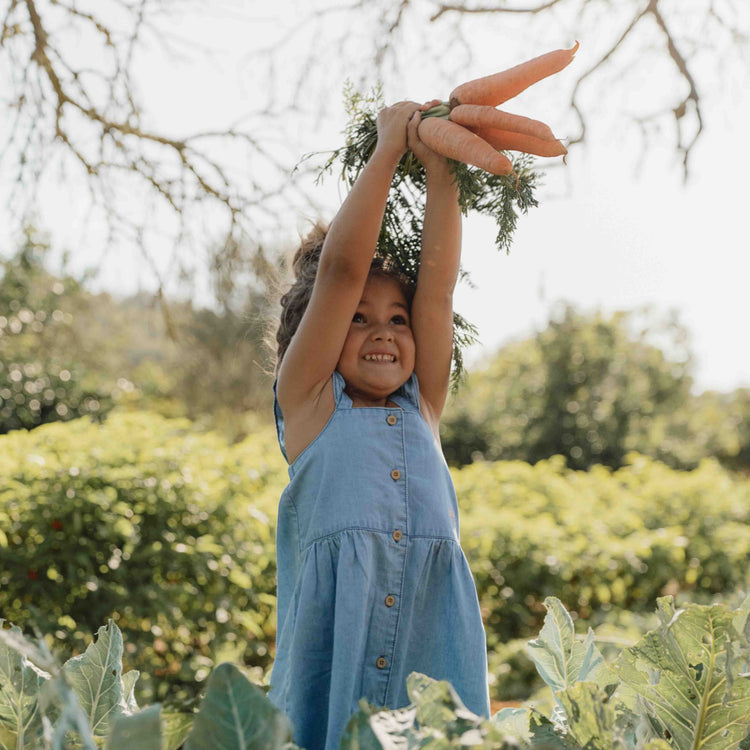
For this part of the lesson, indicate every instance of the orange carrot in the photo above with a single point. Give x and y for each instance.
(478, 116)
(507, 140)
(456, 142)
(499, 87)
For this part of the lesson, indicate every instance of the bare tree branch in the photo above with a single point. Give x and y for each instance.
(692, 96)
(574, 103)
(86, 111)
(459, 8)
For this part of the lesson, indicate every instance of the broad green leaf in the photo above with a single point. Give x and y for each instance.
(591, 716)
(683, 671)
(544, 734)
(560, 658)
(513, 722)
(175, 729)
(236, 714)
(96, 678)
(73, 720)
(20, 683)
(373, 728)
(439, 706)
(128, 689)
(141, 730)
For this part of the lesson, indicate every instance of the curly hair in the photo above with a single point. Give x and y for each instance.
(305, 267)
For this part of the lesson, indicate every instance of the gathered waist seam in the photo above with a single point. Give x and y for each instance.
(387, 532)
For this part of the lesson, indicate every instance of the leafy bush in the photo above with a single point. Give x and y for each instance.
(683, 686)
(605, 542)
(170, 532)
(142, 519)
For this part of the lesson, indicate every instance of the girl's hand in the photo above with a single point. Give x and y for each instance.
(392, 128)
(433, 162)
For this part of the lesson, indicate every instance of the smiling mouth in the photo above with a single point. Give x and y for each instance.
(379, 358)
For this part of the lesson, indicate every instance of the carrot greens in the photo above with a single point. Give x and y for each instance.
(503, 197)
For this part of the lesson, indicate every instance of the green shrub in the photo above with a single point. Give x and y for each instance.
(143, 520)
(170, 532)
(602, 541)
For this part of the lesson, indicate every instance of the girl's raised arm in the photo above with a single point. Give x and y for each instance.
(345, 259)
(432, 308)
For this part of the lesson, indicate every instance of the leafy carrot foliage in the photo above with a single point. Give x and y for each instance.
(502, 197)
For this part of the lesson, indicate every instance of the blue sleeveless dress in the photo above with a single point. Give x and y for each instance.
(372, 581)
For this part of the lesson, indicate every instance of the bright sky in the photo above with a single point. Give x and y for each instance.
(609, 234)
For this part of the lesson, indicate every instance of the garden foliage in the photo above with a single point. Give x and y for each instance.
(682, 686)
(154, 524)
(145, 520)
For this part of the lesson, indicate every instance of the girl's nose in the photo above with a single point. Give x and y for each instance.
(382, 333)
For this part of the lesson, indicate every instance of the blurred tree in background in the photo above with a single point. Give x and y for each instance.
(588, 387)
(66, 352)
(49, 366)
(592, 388)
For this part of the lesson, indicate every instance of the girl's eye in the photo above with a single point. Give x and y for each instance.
(399, 320)
(358, 318)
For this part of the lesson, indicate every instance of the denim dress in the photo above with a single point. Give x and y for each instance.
(372, 581)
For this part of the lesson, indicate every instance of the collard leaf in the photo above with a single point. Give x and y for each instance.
(560, 658)
(20, 684)
(439, 706)
(96, 679)
(235, 713)
(684, 672)
(545, 735)
(128, 688)
(590, 715)
(373, 728)
(513, 722)
(72, 720)
(175, 727)
(141, 730)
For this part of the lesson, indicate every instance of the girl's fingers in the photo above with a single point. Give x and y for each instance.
(412, 134)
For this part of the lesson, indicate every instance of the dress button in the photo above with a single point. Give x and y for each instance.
(381, 663)
(391, 419)
(390, 600)
(397, 535)
(395, 475)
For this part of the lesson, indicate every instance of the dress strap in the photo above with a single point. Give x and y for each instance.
(341, 399)
(279, 417)
(408, 392)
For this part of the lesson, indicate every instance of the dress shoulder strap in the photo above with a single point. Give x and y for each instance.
(279, 417)
(340, 398)
(408, 392)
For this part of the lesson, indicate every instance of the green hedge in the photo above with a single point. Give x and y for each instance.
(141, 519)
(169, 531)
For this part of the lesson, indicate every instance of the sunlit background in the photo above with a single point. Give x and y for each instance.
(600, 445)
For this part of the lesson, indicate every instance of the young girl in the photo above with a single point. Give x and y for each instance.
(372, 581)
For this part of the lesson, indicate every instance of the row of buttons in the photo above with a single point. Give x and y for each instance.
(390, 600)
(381, 662)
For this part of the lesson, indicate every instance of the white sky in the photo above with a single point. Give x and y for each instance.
(609, 233)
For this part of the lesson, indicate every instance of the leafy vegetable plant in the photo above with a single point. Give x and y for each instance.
(683, 686)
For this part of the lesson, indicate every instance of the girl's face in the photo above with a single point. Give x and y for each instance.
(378, 354)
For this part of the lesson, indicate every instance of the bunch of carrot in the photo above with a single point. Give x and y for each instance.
(469, 128)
